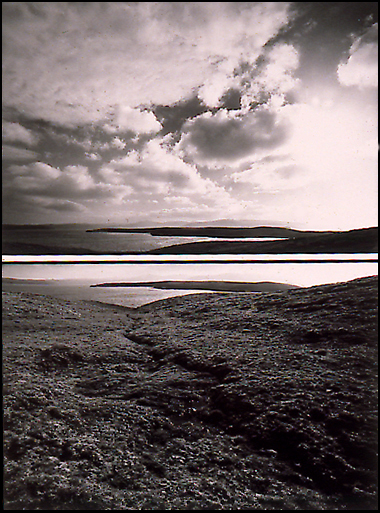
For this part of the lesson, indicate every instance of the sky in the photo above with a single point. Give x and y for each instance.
(181, 113)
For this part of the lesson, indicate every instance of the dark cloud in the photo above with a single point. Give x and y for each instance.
(63, 146)
(324, 30)
(231, 100)
(17, 154)
(172, 117)
(229, 138)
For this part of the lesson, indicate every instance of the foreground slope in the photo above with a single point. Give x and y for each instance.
(220, 401)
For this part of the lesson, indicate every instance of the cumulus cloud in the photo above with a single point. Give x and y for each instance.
(182, 110)
(280, 62)
(229, 136)
(71, 63)
(153, 180)
(31, 177)
(118, 143)
(159, 176)
(220, 81)
(125, 118)
(14, 132)
(272, 77)
(42, 180)
(92, 156)
(361, 67)
(329, 176)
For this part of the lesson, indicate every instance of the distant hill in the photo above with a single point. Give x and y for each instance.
(214, 231)
(23, 281)
(221, 286)
(364, 240)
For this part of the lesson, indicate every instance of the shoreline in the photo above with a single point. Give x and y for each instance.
(363, 240)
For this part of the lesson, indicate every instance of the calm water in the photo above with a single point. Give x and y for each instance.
(72, 281)
(76, 237)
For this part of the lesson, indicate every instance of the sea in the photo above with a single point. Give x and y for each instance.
(73, 281)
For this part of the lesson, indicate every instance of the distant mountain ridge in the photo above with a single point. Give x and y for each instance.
(214, 231)
(221, 286)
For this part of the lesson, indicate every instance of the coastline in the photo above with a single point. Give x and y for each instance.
(364, 240)
(214, 401)
(170, 241)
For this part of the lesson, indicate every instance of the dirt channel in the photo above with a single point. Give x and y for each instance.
(207, 401)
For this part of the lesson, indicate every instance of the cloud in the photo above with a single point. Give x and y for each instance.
(55, 205)
(125, 118)
(279, 63)
(42, 180)
(265, 176)
(161, 177)
(118, 143)
(73, 63)
(14, 132)
(174, 116)
(229, 136)
(186, 110)
(92, 156)
(31, 177)
(272, 76)
(361, 67)
(220, 81)
(15, 153)
(153, 181)
(153, 170)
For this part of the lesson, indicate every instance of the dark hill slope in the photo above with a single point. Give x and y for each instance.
(210, 401)
(364, 240)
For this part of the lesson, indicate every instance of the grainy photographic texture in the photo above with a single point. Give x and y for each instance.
(135, 133)
(178, 114)
(209, 401)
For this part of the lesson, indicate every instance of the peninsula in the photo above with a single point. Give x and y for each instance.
(220, 286)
